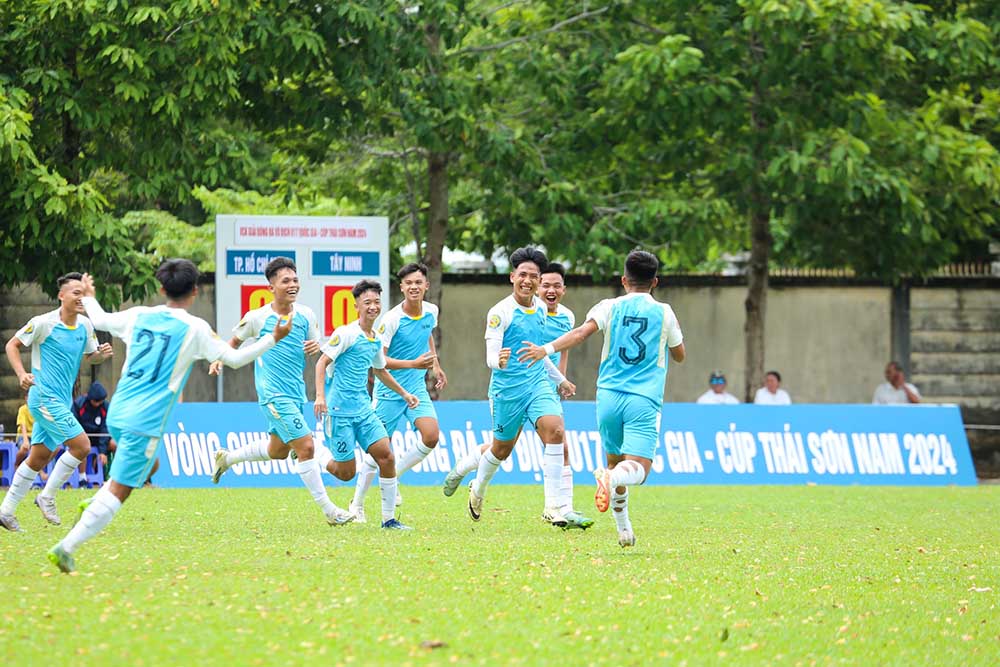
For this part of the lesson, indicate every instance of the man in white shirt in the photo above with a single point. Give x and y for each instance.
(717, 394)
(895, 390)
(772, 393)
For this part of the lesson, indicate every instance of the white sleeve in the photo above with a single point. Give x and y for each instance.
(497, 321)
(601, 313)
(553, 371)
(757, 397)
(333, 347)
(313, 333)
(387, 328)
(29, 331)
(92, 344)
(249, 327)
(914, 390)
(493, 353)
(210, 347)
(117, 324)
(379, 361)
(674, 335)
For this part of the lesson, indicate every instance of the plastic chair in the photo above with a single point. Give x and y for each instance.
(94, 468)
(8, 455)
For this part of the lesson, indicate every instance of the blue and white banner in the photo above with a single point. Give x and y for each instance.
(921, 445)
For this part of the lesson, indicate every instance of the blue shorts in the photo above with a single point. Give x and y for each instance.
(509, 415)
(391, 410)
(285, 419)
(342, 432)
(54, 423)
(628, 423)
(134, 458)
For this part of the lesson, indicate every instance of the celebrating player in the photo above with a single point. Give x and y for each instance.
(163, 342)
(59, 340)
(407, 334)
(350, 418)
(638, 331)
(281, 390)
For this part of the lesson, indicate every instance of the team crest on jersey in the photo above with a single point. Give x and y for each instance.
(335, 341)
(242, 322)
(494, 321)
(381, 329)
(28, 329)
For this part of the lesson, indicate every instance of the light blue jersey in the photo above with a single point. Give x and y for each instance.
(406, 337)
(278, 373)
(56, 353)
(637, 332)
(353, 353)
(512, 323)
(558, 323)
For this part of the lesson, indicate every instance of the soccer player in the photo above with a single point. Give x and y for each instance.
(638, 332)
(517, 391)
(407, 336)
(281, 389)
(560, 319)
(163, 342)
(59, 342)
(350, 418)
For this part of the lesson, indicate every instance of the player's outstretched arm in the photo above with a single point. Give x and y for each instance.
(243, 356)
(533, 353)
(386, 377)
(101, 354)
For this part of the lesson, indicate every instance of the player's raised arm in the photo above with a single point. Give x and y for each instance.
(117, 324)
(534, 353)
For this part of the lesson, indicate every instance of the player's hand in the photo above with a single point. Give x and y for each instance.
(503, 358)
(425, 360)
(25, 446)
(442, 380)
(104, 459)
(530, 352)
(282, 327)
(319, 406)
(567, 389)
(215, 368)
(105, 351)
(311, 346)
(411, 400)
(88, 285)
(26, 380)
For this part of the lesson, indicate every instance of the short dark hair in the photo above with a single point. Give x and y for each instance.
(776, 374)
(896, 365)
(65, 278)
(366, 286)
(277, 264)
(412, 267)
(556, 267)
(641, 268)
(178, 277)
(529, 254)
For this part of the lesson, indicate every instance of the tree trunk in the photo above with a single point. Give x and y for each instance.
(437, 228)
(756, 301)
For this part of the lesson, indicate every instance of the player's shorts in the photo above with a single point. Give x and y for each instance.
(285, 419)
(510, 414)
(54, 422)
(555, 390)
(628, 423)
(391, 410)
(342, 432)
(135, 457)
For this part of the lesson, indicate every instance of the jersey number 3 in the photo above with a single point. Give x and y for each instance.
(640, 325)
(149, 338)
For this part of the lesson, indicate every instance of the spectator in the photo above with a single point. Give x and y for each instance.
(717, 394)
(91, 410)
(772, 393)
(25, 424)
(895, 390)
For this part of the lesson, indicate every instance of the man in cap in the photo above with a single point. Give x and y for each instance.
(717, 394)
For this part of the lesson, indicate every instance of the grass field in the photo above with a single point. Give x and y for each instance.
(720, 575)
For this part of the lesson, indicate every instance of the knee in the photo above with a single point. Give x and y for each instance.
(343, 475)
(306, 450)
(384, 458)
(502, 450)
(431, 440)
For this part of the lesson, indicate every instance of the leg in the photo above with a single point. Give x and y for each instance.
(430, 433)
(488, 466)
(467, 464)
(369, 469)
(381, 452)
(24, 477)
(309, 472)
(550, 429)
(74, 456)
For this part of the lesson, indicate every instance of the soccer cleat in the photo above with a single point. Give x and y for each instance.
(602, 499)
(358, 511)
(395, 524)
(48, 507)
(339, 517)
(626, 538)
(62, 559)
(475, 503)
(451, 482)
(576, 520)
(10, 522)
(221, 465)
(553, 516)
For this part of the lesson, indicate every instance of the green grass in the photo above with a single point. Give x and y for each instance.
(720, 575)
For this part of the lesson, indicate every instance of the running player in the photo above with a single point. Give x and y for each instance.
(350, 418)
(59, 342)
(163, 342)
(281, 389)
(407, 335)
(638, 332)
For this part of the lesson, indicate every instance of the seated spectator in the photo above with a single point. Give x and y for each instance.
(91, 410)
(895, 390)
(25, 424)
(717, 394)
(772, 393)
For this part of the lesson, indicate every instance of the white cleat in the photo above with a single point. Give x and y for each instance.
(452, 482)
(221, 465)
(358, 512)
(339, 517)
(554, 516)
(9, 521)
(48, 507)
(475, 502)
(626, 538)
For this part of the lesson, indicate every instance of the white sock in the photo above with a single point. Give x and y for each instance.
(62, 471)
(255, 451)
(566, 490)
(309, 472)
(552, 459)
(387, 485)
(98, 514)
(412, 457)
(619, 509)
(323, 456)
(19, 486)
(626, 473)
(488, 466)
(469, 462)
(365, 478)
